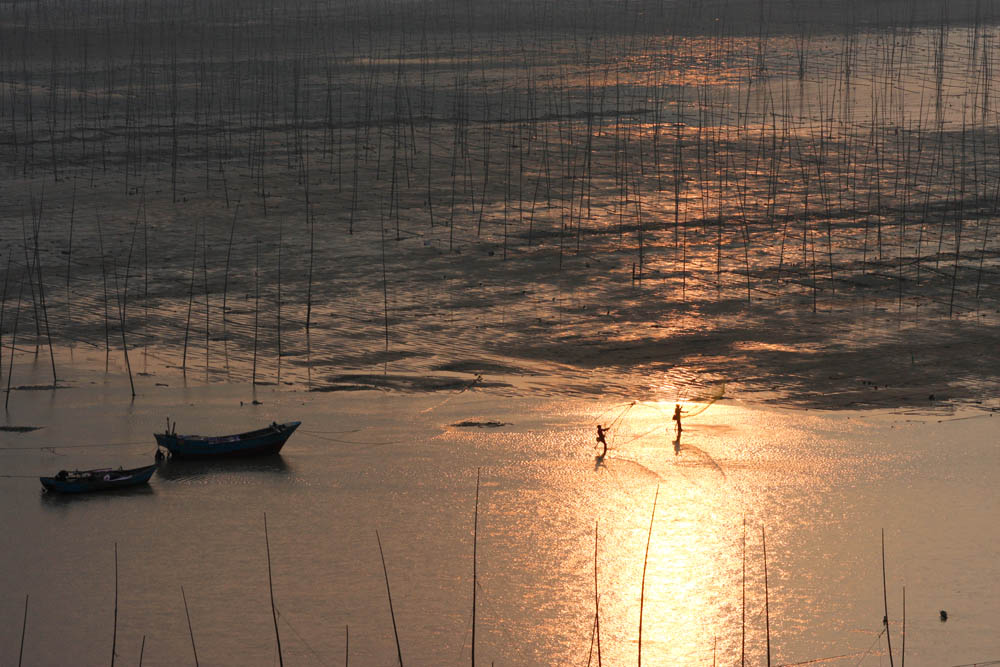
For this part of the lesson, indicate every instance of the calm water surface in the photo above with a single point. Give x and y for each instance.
(823, 485)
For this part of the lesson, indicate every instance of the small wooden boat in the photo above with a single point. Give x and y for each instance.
(263, 441)
(101, 479)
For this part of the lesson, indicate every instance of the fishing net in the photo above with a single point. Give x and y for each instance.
(706, 399)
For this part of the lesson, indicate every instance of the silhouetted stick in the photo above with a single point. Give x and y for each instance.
(885, 600)
(142, 649)
(121, 319)
(645, 560)
(225, 284)
(392, 614)
(347, 643)
(24, 627)
(45, 310)
(280, 228)
(190, 631)
(270, 588)
(104, 282)
(902, 657)
(385, 290)
(13, 341)
(597, 605)
(309, 286)
(187, 325)
(114, 634)
(256, 313)
(208, 303)
(69, 250)
(3, 309)
(767, 611)
(29, 267)
(475, 540)
(743, 617)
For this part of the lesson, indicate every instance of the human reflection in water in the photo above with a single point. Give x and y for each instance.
(677, 444)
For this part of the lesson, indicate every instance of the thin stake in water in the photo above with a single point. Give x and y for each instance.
(190, 631)
(885, 600)
(475, 582)
(114, 634)
(24, 627)
(645, 560)
(270, 588)
(392, 614)
(767, 609)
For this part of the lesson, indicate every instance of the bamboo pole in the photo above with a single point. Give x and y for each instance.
(645, 560)
(24, 628)
(256, 314)
(114, 635)
(270, 588)
(13, 341)
(190, 631)
(902, 656)
(225, 285)
(597, 601)
(392, 614)
(3, 309)
(475, 582)
(767, 608)
(885, 600)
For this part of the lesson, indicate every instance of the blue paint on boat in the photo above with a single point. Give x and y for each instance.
(100, 479)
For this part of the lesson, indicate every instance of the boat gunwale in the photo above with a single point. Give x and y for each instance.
(286, 427)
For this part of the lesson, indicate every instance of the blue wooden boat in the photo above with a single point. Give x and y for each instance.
(263, 441)
(101, 479)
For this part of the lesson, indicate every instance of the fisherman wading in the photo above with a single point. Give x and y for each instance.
(601, 432)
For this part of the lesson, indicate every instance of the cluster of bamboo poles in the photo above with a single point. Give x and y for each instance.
(734, 163)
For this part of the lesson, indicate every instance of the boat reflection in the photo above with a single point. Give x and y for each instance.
(61, 499)
(179, 470)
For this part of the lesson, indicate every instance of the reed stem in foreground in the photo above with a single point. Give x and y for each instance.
(24, 627)
(645, 560)
(392, 614)
(475, 582)
(114, 634)
(190, 631)
(767, 608)
(885, 600)
(270, 588)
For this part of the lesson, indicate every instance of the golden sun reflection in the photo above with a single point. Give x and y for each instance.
(703, 599)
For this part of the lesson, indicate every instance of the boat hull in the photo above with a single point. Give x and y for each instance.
(105, 480)
(262, 442)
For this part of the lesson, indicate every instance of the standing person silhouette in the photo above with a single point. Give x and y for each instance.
(677, 418)
(601, 432)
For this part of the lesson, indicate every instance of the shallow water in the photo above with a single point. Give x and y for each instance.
(821, 484)
(387, 220)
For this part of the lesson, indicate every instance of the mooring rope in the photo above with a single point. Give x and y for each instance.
(134, 443)
(369, 443)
